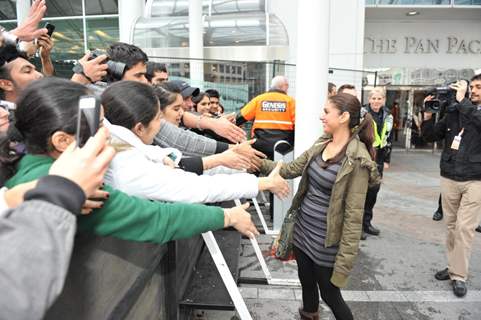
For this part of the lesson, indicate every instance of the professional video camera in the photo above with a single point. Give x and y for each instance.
(443, 97)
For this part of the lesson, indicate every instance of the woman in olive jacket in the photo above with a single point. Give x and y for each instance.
(329, 204)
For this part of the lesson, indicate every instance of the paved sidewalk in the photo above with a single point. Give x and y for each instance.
(394, 274)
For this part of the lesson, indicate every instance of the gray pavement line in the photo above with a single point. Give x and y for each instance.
(368, 296)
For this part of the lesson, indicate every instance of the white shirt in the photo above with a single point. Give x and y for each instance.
(138, 170)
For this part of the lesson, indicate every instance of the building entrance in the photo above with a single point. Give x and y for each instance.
(406, 105)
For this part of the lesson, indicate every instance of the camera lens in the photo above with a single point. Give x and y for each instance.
(116, 69)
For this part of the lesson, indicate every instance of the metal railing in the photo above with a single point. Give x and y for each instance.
(240, 81)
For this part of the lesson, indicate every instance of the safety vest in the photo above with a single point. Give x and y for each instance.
(272, 110)
(381, 141)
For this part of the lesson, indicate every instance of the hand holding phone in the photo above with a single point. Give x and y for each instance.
(50, 27)
(88, 118)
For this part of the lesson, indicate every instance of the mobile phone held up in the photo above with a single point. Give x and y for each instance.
(50, 27)
(88, 119)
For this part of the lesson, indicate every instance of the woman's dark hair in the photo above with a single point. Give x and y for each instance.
(345, 102)
(198, 98)
(127, 103)
(46, 106)
(165, 97)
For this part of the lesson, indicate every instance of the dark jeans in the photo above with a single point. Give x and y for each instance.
(371, 198)
(315, 278)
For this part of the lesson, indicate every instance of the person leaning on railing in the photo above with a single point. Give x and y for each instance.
(53, 103)
(37, 227)
(140, 169)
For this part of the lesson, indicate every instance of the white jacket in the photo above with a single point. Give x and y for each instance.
(137, 169)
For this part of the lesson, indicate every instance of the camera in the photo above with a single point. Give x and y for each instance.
(443, 97)
(115, 69)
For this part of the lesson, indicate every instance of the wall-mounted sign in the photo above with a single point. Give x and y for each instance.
(418, 45)
(453, 44)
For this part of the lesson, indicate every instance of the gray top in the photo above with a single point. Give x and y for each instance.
(188, 142)
(311, 225)
(36, 241)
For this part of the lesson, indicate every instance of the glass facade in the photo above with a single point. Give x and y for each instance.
(423, 2)
(70, 38)
(250, 29)
(8, 10)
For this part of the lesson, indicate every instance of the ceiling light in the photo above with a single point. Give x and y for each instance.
(412, 13)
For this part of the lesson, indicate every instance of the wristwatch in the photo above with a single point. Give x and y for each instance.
(79, 69)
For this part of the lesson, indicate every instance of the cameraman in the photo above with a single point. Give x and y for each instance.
(460, 127)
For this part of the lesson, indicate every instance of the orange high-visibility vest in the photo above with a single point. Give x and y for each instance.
(272, 110)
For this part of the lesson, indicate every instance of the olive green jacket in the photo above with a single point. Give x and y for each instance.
(346, 207)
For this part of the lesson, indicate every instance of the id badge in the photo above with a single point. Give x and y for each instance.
(456, 143)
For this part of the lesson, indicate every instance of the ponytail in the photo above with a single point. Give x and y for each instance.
(365, 132)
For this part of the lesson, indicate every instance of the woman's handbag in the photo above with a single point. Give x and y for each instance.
(282, 247)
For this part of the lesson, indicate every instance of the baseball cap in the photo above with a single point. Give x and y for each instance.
(185, 89)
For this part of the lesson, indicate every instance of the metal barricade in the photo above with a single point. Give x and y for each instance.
(284, 151)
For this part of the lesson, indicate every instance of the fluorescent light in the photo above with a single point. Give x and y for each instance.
(412, 13)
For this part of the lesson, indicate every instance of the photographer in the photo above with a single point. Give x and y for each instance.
(461, 177)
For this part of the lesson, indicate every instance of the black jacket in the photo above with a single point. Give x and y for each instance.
(463, 164)
(383, 155)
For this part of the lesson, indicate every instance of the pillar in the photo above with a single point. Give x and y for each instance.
(196, 42)
(23, 6)
(312, 70)
(129, 12)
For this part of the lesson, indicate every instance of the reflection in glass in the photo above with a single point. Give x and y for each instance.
(68, 39)
(101, 7)
(64, 8)
(163, 8)
(101, 32)
(248, 29)
(420, 2)
(8, 10)
(467, 2)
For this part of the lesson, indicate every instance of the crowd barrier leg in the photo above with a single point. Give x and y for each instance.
(227, 278)
(270, 280)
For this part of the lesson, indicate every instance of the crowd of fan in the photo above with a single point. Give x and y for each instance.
(163, 149)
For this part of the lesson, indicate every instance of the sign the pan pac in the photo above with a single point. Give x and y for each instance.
(417, 46)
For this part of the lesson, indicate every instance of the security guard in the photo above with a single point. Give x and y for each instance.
(383, 125)
(273, 114)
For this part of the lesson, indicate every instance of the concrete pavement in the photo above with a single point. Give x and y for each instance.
(394, 274)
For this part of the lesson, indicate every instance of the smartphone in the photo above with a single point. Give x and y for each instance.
(50, 27)
(88, 118)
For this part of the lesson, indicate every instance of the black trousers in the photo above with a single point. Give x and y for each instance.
(371, 198)
(440, 205)
(315, 278)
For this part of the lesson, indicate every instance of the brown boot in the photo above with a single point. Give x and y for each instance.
(309, 315)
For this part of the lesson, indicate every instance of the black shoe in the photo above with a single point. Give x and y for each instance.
(372, 231)
(442, 275)
(478, 229)
(363, 236)
(437, 216)
(459, 288)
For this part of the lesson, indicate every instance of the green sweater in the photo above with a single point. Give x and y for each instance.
(129, 217)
